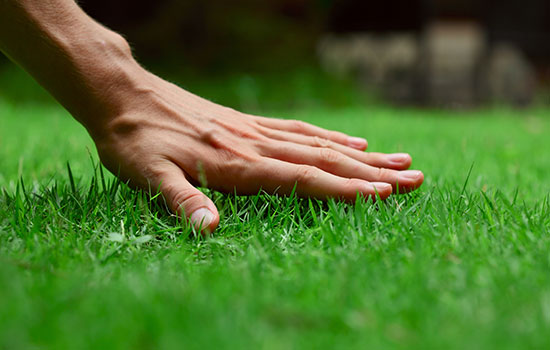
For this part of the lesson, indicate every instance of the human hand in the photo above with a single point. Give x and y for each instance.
(156, 135)
(168, 139)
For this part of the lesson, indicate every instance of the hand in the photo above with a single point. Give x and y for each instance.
(166, 138)
(157, 136)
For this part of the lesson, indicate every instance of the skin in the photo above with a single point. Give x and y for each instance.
(158, 136)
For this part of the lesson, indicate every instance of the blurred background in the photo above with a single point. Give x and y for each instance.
(290, 53)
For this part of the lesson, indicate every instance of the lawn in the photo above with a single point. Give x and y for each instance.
(463, 263)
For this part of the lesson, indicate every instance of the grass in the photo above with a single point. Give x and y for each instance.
(462, 263)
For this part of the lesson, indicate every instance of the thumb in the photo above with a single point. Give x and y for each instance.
(186, 200)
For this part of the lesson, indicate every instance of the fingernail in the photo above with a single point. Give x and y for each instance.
(357, 142)
(398, 157)
(202, 218)
(410, 175)
(381, 186)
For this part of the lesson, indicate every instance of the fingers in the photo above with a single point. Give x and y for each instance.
(339, 164)
(186, 200)
(281, 177)
(398, 161)
(302, 128)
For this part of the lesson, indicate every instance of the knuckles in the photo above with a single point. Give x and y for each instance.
(329, 157)
(182, 199)
(384, 174)
(305, 173)
(321, 142)
(298, 125)
(211, 137)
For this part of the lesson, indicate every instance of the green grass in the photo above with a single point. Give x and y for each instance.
(462, 263)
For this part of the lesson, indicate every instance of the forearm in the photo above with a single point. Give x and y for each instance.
(85, 66)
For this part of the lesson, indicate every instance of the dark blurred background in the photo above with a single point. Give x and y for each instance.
(407, 51)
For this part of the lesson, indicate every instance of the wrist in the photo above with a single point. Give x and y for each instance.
(100, 72)
(85, 66)
(107, 76)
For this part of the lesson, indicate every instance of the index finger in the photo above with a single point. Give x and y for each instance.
(303, 128)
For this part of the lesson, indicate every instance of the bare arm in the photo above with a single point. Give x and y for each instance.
(85, 66)
(157, 135)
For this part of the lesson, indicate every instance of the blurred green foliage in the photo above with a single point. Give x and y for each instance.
(302, 87)
(217, 35)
